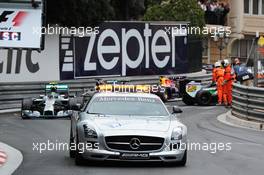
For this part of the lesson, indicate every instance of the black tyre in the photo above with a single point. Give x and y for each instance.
(214, 99)
(188, 100)
(166, 95)
(72, 153)
(79, 160)
(204, 98)
(184, 160)
(27, 104)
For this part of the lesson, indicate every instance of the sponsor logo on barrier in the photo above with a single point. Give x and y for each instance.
(16, 21)
(3, 158)
(10, 36)
(16, 27)
(7, 26)
(3, 16)
(16, 65)
(129, 49)
(148, 48)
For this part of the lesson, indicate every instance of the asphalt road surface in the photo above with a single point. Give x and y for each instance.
(245, 157)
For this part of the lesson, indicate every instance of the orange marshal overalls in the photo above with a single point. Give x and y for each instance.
(214, 75)
(220, 72)
(227, 87)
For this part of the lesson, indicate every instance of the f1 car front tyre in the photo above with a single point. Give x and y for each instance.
(188, 100)
(166, 95)
(27, 104)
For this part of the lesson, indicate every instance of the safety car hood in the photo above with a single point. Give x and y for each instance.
(156, 124)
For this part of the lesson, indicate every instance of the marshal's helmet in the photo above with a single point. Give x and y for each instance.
(217, 64)
(226, 62)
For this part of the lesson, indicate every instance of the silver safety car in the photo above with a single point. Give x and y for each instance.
(127, 127)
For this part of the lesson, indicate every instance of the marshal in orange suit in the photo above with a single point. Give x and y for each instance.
(219, 76)
(228, 83)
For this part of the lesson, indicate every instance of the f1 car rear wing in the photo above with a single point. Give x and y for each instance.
(57, 88)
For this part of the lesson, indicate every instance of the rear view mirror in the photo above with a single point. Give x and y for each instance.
(176, 110)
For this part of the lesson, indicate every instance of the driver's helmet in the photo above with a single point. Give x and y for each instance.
(217, 64)
(53, 89)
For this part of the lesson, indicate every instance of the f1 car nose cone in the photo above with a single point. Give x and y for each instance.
(134, 143)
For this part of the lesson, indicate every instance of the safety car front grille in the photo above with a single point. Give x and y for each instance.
(124, 143)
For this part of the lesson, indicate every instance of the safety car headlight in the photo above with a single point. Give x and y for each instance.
(177, 133)
(89, 132)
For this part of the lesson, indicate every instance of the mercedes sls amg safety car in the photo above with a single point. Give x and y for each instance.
(127, 127)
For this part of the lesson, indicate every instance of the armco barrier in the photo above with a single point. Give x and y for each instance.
(248, 102)
(261, 83)
(11, 94)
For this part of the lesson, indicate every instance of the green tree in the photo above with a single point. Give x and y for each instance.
(128, 9)
(176, 10)
(149, 3)
(79, 12)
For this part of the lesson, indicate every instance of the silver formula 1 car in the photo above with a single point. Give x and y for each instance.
(56, 103)
(127, 127)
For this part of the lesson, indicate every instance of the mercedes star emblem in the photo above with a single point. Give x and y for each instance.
(134, 143)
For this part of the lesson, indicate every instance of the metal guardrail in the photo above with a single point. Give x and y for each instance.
(248, 102)
(261, 83)
(11, 94)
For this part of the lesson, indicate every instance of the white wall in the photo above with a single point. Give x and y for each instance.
(48, 61)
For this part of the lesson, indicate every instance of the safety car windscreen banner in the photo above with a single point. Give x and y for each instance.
(128, 49)
(20, 26)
